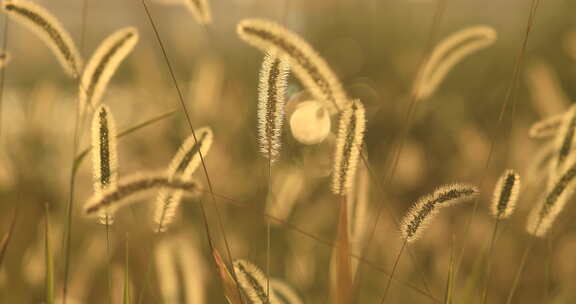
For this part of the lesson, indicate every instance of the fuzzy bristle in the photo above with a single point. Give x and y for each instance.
(309, 67)
(103, 64)
(420, 215)
(348, 145)
(505, 194)
(49, 29)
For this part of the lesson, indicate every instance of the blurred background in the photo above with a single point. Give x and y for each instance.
(375, 48)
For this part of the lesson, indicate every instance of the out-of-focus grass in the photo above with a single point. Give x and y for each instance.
(375, 48)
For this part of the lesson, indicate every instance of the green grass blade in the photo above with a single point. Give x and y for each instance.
(49, 263)
(84, 153)
(126, 297)
(450, 280)
(7, 237)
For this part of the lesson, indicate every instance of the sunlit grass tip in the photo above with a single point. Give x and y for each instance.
(49, 29)
(103, 64)
(421, 213)
(505, 194)
(104, 155)
(308, 66)
(271, 103)
(253, 282)
(348, 145)
(447, 54)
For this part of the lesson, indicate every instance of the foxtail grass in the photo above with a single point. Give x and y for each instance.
(253, 282)
(47, 27)
(103, 64)
(271, 103)
(422, 212)
(308, 66)
(504, 199)
(183, 165)
(348, 144)
(104, 155)
(117, 197)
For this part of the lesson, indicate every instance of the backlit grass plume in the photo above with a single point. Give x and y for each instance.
(564, 141)
(49, 29)
(311, 69)
(114, 198)
(103, 64)
(348, 145)
(447, 54)
(271, 102)
(505, 194)
(547, 127)
(200, 10)
(104, 155)
(183, 165)
(544, 214)
(253, 283)
(427, 207)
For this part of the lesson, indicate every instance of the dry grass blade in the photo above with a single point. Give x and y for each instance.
(103, 64)
(309, 67)
(343, 285)
(231, 290)
(49, 29)
(7, 237)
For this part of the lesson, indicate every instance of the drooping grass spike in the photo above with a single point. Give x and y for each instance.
(103, 64)
(114, 198)
(421, 213)
(308, 66)
(447, 54)
(183, 165)
(47, 27)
